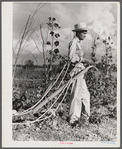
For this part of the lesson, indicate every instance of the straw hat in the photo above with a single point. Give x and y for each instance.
(80, 27)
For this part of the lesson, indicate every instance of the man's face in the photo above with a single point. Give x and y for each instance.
(82, 35)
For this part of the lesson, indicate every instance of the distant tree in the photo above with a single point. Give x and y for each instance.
(28, 64)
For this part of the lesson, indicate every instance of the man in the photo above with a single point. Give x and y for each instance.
(80, 96)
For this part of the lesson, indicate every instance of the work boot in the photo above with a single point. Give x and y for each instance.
(74, 124)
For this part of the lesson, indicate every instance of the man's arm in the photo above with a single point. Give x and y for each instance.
(71, 53)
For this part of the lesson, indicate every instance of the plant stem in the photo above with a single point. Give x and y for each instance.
(43, 46)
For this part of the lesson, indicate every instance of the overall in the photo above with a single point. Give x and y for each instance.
(80, 95)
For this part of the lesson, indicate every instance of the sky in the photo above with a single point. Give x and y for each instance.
(100, 18)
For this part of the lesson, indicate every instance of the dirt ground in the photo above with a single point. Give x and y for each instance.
(60, 130)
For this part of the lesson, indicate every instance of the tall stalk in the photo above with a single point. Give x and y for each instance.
(21, 42)
(26, 29)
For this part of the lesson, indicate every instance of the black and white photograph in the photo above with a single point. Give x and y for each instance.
(61, 74)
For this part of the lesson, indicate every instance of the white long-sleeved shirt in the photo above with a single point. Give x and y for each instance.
(75, 52)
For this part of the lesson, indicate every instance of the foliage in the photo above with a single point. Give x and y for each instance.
(107, 58)
(106, 65)
(103, 91)
(93, 53)
(102, 88)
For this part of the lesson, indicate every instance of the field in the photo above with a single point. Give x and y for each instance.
(29, 88)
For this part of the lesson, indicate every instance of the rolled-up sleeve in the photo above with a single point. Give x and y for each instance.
(71, 53)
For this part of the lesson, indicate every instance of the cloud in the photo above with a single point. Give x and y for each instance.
(99, 17)
(63, 14)
(92, 11)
